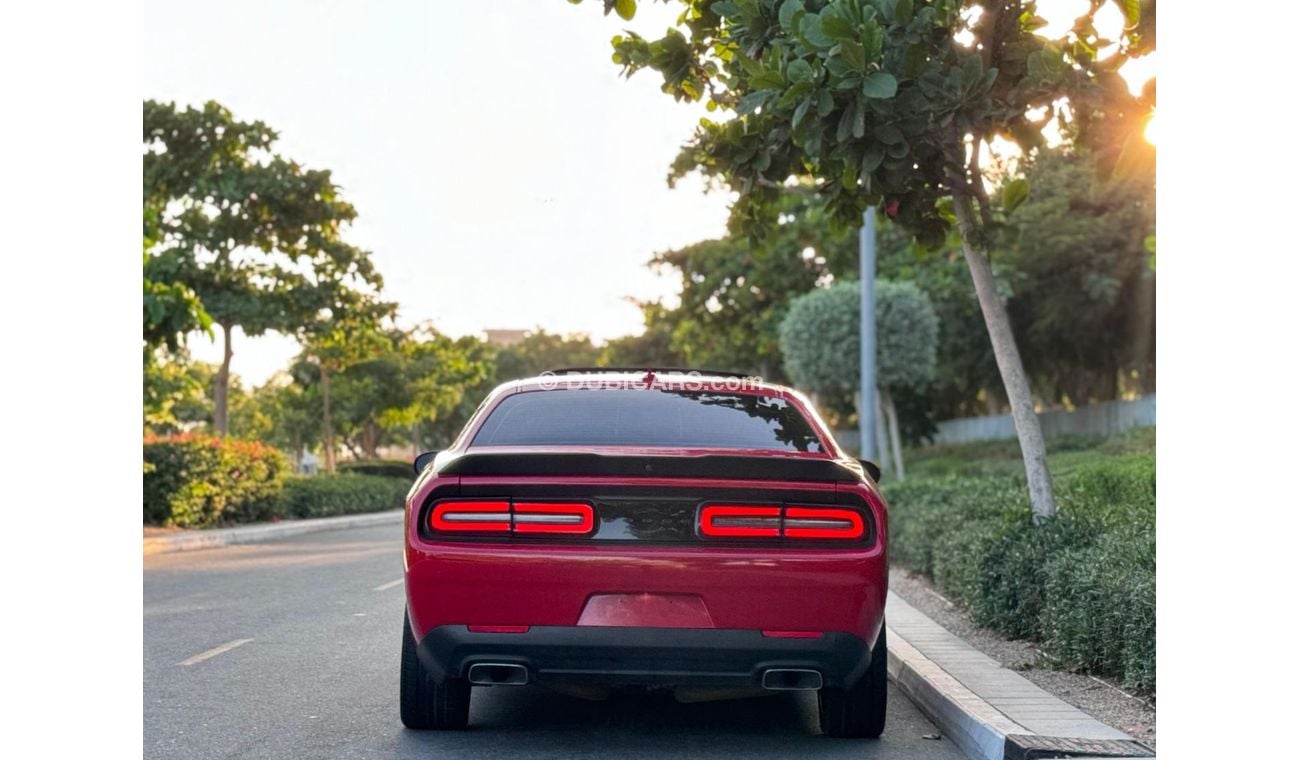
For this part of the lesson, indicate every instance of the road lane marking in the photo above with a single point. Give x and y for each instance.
(214, 651)
(389, 585)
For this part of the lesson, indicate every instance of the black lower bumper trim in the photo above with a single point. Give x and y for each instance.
(615, 656)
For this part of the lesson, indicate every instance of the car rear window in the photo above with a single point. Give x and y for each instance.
(647, 417)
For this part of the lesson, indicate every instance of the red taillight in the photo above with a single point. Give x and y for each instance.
(744, 521)
(549, 517)
(498, 628)
(500, 516)
(803, 522)
(793, 634)
(734, 520)
(470, 516)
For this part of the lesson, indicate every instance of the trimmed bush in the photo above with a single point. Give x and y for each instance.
(1083, 583)
(197, 481)
(340, 494)
(388, 468)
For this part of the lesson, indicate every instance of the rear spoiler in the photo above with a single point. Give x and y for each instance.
(707, 466)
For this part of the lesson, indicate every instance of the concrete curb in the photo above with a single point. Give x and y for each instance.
(253, 534)
(978, 704)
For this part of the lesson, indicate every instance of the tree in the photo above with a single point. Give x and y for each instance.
(416, 377)
(541, 351)
(652, 348)
(239, 226)
(1083, 295)
(293, 412)
(440, 431)
(889, 103)
(341, 334)
(735, 290)
(819, 339)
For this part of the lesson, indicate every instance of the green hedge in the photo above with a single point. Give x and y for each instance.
(340, 494)
(1083, 584)
(389, 468)
(197, 481)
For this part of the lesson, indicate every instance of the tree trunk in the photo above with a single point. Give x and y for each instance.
(895, 439)
(370, 440)
(1008, 359)
(221, 388)
(325, 418)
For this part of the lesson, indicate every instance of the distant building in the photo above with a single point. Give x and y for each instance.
(505, 337)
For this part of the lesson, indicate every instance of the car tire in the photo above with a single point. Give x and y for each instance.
(425, 703)
(858, 712)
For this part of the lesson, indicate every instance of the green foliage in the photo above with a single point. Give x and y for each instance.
(1083, 583)
(406, 379)
(326, 495)
(389, 468)
(196, 481)
(735, 291)
(965, 373)
(819, 337)
(171, 310)
(1082, 294)
(253, 234)
(255, 237)
(872, 99)
(652, 348)
(541, 351)
(170, 387)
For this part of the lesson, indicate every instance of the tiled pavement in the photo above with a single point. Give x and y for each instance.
(979, 701)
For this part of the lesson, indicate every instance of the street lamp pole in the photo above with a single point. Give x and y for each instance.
(867, 336)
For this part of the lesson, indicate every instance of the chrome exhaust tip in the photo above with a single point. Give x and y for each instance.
(498, 674)
(791, 679)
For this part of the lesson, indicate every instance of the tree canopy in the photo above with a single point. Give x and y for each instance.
(889, 103)
(254, 236)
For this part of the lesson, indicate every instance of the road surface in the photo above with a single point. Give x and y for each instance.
(291, 650)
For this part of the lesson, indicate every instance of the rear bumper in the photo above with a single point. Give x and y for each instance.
(624, 656)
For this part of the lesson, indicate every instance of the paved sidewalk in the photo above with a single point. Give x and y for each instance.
(253, 534)
(971, 696)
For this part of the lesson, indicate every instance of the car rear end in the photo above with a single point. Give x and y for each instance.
(603, 531)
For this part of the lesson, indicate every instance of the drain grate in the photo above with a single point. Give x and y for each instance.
(1034, 747)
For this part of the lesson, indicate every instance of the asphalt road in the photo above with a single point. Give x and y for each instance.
(291, 650)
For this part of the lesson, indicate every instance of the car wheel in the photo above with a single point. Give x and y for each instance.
(425, 703)
(859, 711)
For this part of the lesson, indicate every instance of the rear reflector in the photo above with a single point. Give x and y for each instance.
(793, 634)
(549, 517)
(802, 522)
(498, 628)
(471, 516)
(734, 520)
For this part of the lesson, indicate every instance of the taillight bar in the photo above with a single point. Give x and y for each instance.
(470, 516)
(502, 516)
(766, 521)
(730, 520)
(547, 517)
(803, 522)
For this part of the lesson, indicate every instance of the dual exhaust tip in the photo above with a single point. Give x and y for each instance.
(497, 674)
(791, 679)
(513, 674)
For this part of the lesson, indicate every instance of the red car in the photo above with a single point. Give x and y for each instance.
(591, 530)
